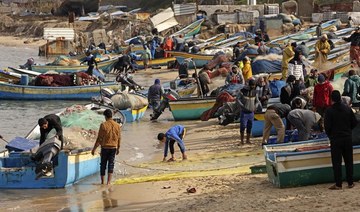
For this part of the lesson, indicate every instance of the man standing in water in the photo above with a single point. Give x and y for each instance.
(174, 134)
(109, 138)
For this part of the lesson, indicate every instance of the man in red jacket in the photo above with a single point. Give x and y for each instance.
(322, 96)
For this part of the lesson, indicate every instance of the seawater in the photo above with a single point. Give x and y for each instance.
(17, 118)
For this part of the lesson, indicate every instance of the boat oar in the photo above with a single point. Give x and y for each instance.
(5, 140)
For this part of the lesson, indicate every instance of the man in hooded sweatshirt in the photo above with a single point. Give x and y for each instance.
(351, 87)
(322, 96)
(339, 122)
(235, 76)
(303, 120)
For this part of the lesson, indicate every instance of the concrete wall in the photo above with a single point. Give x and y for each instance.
(305, 8)
(210, 9)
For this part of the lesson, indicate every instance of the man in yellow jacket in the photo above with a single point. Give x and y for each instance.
(322, 49)
(288, 54)
(247, 71)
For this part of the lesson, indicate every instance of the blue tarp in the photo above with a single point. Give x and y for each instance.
(266, 66)
(19, 144)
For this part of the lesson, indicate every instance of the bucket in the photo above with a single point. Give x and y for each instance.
(24, 80)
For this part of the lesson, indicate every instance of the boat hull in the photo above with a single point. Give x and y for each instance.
(156, 62)
(292, 169)
(105, 66)
(132, 115)
(71, 168)
(24, 92)
(190, 109)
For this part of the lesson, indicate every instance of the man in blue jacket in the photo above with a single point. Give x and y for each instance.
(174, 134)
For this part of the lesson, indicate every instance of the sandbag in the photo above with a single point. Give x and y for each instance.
(121, 101)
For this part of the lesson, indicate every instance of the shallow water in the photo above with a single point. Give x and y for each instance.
(17, 118)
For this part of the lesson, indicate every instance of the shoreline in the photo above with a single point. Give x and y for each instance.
(13, 41)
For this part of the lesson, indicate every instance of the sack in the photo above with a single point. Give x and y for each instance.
(276, 86)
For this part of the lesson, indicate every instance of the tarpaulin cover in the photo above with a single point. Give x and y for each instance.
(248, 51)
(19, 144)
(266, 66)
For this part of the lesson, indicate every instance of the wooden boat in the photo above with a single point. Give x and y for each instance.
(17, 170)
(156, 62)
(6, 76)
(337, 72)
(24, 71)
(105, 66)
(190, 30)
(303, 163)
(300, 35)
(27, 92)
(190, 108)
(199, 59)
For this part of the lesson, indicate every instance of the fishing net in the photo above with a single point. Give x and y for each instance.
(65, 61)
(80, 127)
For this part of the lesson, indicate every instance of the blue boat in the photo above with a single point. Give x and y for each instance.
(17, 170)
(26, 92)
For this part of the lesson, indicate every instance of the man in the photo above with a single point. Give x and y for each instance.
(273, 117)
(90, 59)
(247, 70)
(355, 46)
(305, 51)
(289, 91)
(155, 93)
(318, 30)
(296, 67)
(311, 79)
(237, 51)
(263, 91)
(235, 76)
(303, 121)
(249, 102)
(146, 56)
(339, 122)
(184, 70)
(48, 123)
(174, 134)
(109, 138)
(71, 19)
(351, 86)
(322, 49)
(321, 97)
(288, 54)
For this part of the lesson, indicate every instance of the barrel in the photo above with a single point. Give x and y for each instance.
(24, 80)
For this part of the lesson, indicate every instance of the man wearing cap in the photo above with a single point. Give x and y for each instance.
(48, 123)
(288, 54)
(109, 138)
(322, 96)
(322, 49)
(154, 94)
(303, 120)
(355, 45)
(339, 122)
(249, 102)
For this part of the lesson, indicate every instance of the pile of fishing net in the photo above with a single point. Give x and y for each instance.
(123, 101)
(65, 61)
(80, 126)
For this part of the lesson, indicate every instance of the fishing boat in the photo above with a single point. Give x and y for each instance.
(190, 30)
(156, 62)
(6, 76)
(337, 72)
(190, 108)
(106, 66)
(304, 35)
(17, 170)
(28, 92)
(199, 59)
(303, 163)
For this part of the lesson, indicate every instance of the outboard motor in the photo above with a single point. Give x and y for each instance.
(169, 95)
(30, 61)
(44, 155)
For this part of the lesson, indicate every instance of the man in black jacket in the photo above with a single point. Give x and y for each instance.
(355, 45)
(339, 122)
(48, 123)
